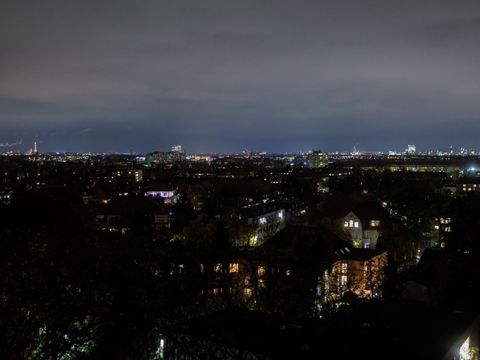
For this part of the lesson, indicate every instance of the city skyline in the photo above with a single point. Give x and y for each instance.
(220, 77)
(20, 147)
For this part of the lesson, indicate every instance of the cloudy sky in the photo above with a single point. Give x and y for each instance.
(273, 75)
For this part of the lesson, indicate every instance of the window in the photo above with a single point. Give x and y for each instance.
(350, 223)
(217, 267)
(374, 223)
(343, 280)
(356, 224)
(345, 224)
(217, 291)
(343, 268)
(253, 240)
(326, 283)
(233, 267)
(248, 292)
(261, 271)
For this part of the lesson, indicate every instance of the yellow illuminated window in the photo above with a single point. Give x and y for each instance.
(217, 291)
(233, 267)
(261, 271)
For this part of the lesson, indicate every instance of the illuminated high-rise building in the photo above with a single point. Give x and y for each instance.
(411, 149)
(165, 157)
(177, 148)
(317, 159)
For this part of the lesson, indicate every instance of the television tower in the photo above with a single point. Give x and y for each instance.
(35, 147)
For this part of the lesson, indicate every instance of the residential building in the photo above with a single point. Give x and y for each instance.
(364, 224)
(266, 219)
(317, 159)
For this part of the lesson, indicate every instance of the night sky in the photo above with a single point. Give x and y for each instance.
(266, 75)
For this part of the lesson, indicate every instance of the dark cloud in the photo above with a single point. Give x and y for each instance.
(223, 75)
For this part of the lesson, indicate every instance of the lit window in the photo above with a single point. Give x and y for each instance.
(343, 280)
(261, 271)
(217, 268)
(217, 291)
(356, 224)
(233, 267)
(345, 224)
(248, 292)
(253, 240)
(344, 267)
(351, 223)
(374, 223)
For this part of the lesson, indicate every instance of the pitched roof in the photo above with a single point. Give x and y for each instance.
(305, 243)
(363, 254)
